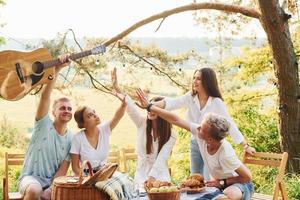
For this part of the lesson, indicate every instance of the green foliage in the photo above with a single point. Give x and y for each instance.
(252, 63)
(179, 162)
(14, 175)
(131, 166)
(293, 183)
(56, 46)
(259, 129)
(2, 40)
(10, 136)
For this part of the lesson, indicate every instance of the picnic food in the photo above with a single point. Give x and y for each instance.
(156, 184)
(193, 184)
(153, 186)
(164, 189)
(161, 190)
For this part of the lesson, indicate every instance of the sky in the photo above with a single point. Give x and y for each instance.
(95, 18)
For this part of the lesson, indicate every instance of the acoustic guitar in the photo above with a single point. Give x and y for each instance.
(20, 72)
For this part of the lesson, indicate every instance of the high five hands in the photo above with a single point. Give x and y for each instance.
(142, 98)
(114, 80)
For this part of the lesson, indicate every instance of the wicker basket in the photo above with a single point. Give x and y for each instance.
(175, 195)
(164, 195)
(80, 188)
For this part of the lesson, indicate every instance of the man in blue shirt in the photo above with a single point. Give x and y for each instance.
(47, 156)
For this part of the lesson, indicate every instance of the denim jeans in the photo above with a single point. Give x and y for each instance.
(247, 189)
(196, 161)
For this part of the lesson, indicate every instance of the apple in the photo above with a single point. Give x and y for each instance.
(154, 190)
(173, 188)
(163, 189)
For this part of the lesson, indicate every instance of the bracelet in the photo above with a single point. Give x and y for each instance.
(149, 107)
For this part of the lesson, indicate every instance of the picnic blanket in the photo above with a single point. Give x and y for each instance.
(212, 195)
(118, 187)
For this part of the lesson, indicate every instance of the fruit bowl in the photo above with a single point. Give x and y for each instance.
(163, 193)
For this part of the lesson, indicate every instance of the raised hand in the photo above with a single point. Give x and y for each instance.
(143, 101)
(114, 80)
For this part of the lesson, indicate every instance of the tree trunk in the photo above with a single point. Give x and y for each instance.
(274, 22)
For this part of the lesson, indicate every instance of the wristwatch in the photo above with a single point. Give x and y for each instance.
(222, 183)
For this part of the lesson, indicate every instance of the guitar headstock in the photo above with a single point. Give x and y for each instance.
(98, 49)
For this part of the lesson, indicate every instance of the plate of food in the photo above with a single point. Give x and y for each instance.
(193, 184)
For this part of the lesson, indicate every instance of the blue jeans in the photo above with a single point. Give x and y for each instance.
(247, 189)
(197, 164)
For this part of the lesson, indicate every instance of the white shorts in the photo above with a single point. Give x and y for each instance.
(26, 181)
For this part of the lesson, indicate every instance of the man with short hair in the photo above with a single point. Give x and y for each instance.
(47, 156)
(227, 172)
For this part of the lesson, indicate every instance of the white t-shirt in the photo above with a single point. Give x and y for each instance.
(82, 147)
(223, 163)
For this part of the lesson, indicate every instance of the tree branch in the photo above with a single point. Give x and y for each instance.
(194, 6)
(247, 98)
(153, 65)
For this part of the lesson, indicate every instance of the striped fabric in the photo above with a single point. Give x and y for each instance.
(118, 187)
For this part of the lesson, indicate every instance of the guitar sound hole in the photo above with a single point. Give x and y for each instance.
(37, 68)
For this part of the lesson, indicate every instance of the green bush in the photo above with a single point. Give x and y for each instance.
(179, 162)
(131, 166)
(10, 136)
(293, 185)
(259, 129)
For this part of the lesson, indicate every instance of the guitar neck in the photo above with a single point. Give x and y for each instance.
(75, 56)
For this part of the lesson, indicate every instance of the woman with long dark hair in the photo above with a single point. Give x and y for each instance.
(204, 97)
(155, 141)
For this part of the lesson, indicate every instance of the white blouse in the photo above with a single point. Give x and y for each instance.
(154, 164)
(195, 114)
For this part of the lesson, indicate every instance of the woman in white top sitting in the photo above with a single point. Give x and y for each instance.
(92, 142)
(155, 142)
